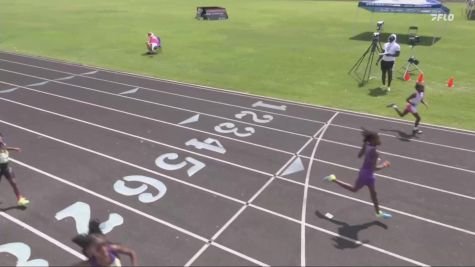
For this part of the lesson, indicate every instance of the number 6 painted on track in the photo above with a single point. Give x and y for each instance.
(121, 188)
(22, 252)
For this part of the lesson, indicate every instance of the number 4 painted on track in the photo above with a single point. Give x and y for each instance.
(208, 144)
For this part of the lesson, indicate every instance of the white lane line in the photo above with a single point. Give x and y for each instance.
(343, 166)
(152, 119)
(8, 90)
(137, 137)
(410, 140)
(401, 180)
(138, 167)
(211, 115)
(253, 96)
(384, 176)
(159, 104)
(233, 218)
(382, 206)
(405, 157)
(43, 235)
(354, 241)
(303, 258)
(124, 206)
(230, 138)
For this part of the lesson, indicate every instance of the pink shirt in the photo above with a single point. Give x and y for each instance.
(153, 39)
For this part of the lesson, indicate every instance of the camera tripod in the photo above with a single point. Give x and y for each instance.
(412, 63)
(374, 47)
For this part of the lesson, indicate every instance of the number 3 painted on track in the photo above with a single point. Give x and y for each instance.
(229, 127)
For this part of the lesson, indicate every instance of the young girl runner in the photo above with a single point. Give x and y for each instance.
(6, 170)
(100, 251)
(411, 107)
(366, 175)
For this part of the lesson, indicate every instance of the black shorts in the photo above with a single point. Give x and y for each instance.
(6, 171)
(387, 65)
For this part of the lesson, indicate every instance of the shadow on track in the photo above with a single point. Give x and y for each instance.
(350, 231)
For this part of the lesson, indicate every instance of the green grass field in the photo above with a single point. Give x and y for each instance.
(293, 49)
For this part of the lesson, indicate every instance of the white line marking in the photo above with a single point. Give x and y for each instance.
(43, 235)
(131, 91)
(129, 208)
(264, 105)
(303, 258)
(254, 96)
(409, 140)
(37, 84)
(88, 73)
(357, 242)
(194, 118)
(401, 180)
(8, 90)
(379, 175)
(156, 173)
(65, 78)
(211, 115)
(233, 218)
(158, 104)
(138, 137)
(405, 157)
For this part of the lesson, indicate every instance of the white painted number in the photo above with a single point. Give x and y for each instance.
(208, 144)
(125, 190)
(81, 213)
(265, 118)
(229, 127)
(265, 105)
(197, 165)
(22, 252)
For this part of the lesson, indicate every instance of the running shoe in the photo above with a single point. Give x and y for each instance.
(391, 106)
(416, 131)
(329, 178)
(388, 89)
(384, 215)
(23, 201)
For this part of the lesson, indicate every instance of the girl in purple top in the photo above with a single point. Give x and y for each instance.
(366, 175)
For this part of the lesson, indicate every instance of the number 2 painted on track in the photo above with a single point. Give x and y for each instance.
(196, 164)
(265, 118)
(22, 252)
(81, 213)
(121, 188)
(229, 127)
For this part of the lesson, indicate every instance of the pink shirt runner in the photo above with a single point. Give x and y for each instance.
(153, 40)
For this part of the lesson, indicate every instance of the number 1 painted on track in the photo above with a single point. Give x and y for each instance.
(265, 105)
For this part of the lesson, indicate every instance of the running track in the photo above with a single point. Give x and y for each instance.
(191, 175)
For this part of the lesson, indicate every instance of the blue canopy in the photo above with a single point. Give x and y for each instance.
(405, 6)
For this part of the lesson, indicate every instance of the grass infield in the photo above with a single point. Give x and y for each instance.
(292, 49)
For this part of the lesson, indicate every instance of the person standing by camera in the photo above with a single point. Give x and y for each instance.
(387, 58)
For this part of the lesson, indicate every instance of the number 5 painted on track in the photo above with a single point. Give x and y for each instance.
(197, 165)
(22, 252)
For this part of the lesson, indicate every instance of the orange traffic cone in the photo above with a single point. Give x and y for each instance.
(420, 79)
(450, 83)
(407, 76)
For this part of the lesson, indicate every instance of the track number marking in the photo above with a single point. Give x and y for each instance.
(22, 252)
(81, 214)
(121, 188)
(265, 118)
(229, 127)
(196, 165)
(210, 144)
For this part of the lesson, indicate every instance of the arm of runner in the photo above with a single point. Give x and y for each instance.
(127, 251)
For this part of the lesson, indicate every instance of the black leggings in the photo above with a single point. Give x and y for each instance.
(387, 67)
